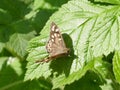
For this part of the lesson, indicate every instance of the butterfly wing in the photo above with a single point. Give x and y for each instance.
(55, 45)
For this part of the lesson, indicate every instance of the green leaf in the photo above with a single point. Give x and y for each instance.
(4, 36)
(109, 1)
(89, 31)
(87, 82)
(102, 68)
(11, 76)
(15, 37)
(29, 85)
(116, 66)
(11, 68)
(13, 27)
(63, 79)
(98, 77)
(42, 10)
(1, 46)
(91, 81)
(2, 61)
(16, 9)
(41, 4)
(5, 17)
(36, 70)
(105, 33)
(103, 71)
(18, 40)
(15, 32)
(48, 4)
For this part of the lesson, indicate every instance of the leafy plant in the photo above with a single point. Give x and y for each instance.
(90, 29)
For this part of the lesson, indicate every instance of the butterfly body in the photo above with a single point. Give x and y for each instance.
(55, 45)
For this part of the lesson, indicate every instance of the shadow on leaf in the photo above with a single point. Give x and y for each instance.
(63, 64)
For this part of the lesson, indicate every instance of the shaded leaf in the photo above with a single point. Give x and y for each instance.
(5, 17)
(11, 76)
(11, 68)
(116, 65)
(109, 1)
(18, 40)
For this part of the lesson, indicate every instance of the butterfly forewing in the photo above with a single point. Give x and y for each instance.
(55, 45)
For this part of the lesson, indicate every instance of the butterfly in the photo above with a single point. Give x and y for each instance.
(55, 46)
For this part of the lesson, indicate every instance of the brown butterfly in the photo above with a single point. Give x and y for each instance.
(55, 46)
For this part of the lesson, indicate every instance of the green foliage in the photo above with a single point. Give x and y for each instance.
(90, 29)
(108, 1)
(116, 67)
